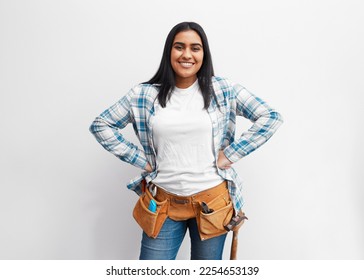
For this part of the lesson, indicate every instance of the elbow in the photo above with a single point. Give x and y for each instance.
(95, 126)
(92, 127)
(278, 117)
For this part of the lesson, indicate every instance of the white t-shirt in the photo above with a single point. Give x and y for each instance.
(182, 136)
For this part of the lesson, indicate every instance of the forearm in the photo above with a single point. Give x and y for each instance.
(114, 142)
(107, 130)
(256, 136)
(266, 121)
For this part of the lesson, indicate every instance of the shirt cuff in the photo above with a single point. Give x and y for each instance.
(231, 154)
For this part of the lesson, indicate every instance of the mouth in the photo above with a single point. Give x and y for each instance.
(186, 64)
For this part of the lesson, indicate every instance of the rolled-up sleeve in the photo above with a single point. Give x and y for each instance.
(107, 130)
(265, 120)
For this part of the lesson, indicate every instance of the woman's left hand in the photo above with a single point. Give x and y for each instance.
(222, 161)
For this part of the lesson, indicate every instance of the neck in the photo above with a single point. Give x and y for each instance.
(185, 82)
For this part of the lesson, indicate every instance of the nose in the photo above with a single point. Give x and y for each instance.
(187, 54)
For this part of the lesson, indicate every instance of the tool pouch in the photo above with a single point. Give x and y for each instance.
(212, 224)
(150, 222)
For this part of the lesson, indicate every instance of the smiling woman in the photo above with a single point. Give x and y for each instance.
(185, 118)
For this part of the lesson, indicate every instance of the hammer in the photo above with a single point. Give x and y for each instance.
(234, 225)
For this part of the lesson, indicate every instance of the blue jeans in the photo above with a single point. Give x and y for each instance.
(169, 240)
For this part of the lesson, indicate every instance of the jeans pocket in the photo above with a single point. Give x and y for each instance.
(150, 221)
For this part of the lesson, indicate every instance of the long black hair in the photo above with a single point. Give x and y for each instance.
(165, 76)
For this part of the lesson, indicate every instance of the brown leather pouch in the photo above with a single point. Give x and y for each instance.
(212, 224)
(150, 222)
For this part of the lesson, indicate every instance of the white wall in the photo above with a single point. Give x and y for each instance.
(63, 62)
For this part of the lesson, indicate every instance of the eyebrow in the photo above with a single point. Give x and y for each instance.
(193, 44)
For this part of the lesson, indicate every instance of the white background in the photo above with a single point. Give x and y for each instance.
(63, 62)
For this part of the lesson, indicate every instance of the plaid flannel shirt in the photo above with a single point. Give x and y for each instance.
(139, 105)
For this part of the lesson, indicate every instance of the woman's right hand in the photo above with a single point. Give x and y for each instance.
(148, 168)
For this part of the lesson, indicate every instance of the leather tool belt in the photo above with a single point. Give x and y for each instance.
(212, 209)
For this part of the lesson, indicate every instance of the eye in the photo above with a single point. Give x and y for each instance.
(178, 47)
(196, 49)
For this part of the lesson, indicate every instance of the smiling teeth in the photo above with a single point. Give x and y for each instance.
(186, 63)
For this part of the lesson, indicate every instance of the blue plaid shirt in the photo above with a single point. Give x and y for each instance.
(140, 104)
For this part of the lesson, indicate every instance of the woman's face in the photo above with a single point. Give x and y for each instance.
(186, 57)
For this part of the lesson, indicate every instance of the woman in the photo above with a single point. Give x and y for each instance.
(184, 118)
